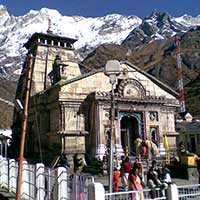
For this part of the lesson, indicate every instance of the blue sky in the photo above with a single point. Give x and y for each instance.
(92, 8)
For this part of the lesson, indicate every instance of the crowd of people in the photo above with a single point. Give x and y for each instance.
(78, 163)
(131, 174)
(133, 178)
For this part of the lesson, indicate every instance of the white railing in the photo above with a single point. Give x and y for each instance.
(186, 192)
(42, 183)
(134, 194)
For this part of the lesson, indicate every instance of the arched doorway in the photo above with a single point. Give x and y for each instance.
(129, 132)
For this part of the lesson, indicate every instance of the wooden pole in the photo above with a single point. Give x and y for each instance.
(24, 126)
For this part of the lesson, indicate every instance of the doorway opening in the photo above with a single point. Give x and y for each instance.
(129, 132)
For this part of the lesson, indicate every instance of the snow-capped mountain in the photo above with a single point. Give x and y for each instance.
(90, 32)
(160, 26)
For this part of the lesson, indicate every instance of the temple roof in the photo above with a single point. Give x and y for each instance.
(51, 36)
(152, 78)
(92, 72)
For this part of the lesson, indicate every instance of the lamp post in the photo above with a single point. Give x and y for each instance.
(112, 69)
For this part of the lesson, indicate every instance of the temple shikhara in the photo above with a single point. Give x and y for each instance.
(69, 109)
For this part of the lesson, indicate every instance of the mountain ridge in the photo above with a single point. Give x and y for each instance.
(144, 42)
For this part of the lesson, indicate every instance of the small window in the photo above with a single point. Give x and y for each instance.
(69, 45)
(42, 40)
(56, 43)
(49, 42)
(62, 44)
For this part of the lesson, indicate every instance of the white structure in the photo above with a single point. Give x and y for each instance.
(5, 136)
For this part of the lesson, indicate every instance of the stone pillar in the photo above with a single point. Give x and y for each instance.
(62, 183)
(25, 192)
(172, 192)
(4, 172)
(100, 146)
(40, 181)
(96, 191)
(12, 175)
(118, 145)
(62, 121)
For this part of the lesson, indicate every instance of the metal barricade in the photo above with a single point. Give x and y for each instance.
(28, 181)
(50, 188)
(66, 186)
(187, 192)
(78, 186)
(135, 195)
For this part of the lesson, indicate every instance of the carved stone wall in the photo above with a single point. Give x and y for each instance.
(44, 59)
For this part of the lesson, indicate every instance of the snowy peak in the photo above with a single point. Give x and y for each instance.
(3, 11)
(4, 15)
(188, 20)
(90, 32)
(160, 25)
(93, 31)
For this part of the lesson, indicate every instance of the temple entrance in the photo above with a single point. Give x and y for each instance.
(129, 132)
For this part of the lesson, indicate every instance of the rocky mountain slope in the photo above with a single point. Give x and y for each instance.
(147, 43)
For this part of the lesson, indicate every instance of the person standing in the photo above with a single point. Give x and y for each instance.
(64, 161)
(116, 180)
(143, 150)
(135, 183)
(141, 171)
(125, 170)
(77, 163)
(153, 179)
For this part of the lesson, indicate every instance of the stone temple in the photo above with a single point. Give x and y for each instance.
(69, 107)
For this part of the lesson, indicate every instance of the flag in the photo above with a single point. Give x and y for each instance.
(166, 144)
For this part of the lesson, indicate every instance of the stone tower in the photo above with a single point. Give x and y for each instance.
(46, 48)
(54, 60)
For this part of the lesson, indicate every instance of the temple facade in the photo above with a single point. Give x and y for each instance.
(69, 109)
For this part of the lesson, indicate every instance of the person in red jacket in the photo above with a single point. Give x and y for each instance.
(125, 170)
(116, 180)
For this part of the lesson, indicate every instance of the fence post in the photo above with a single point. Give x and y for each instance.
(39, 181)
(172, 192)
(96, 191)
(25, 181)
(12, 175)
(4, 172)
(32, 187)
(62, 183)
